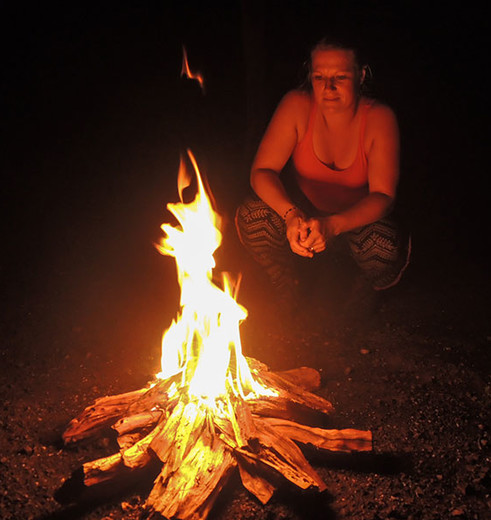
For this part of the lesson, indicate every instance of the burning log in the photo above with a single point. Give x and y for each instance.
(346, 440)
(99, 416)
(199, 446)
(210, 410)
(133, 411)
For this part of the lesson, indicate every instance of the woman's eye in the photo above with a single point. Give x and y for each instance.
(341, 77)
(317, 78)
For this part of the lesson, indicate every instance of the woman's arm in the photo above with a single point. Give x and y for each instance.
(274, 151)
(383, 172)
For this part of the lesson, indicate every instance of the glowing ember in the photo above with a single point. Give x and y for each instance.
(186, 71)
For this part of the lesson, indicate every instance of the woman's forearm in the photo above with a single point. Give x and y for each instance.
(371, 208)
(268, 186)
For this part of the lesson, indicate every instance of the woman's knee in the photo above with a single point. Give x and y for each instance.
(254, 219)
(379, 238)
(382, 251)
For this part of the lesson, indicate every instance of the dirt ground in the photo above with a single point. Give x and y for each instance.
(416, 374)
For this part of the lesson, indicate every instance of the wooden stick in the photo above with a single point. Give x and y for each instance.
(139, 455)
(102, 470)
(346, 440)
(136, 422)
(293, 393)
(304, 377)
(283, 455)
(188, 492)
(262, 488)
(103, 413)
(181, 430)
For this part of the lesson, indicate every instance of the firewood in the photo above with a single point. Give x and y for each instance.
(103, 413)
(179, 433)
(220, 480)
(107, 468)
(128, 440)
(157, 396)
(304, 377)
(139, 455)
(283, 408)
(346, 440)
(293, 393)
(240, 417)
(196, 445)
(136, 422)
(189, 492)
(261, 487)
(225, 431)
(244, 417)
(282, 455)
(102, 470)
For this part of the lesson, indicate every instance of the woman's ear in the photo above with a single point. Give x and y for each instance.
(363, 74)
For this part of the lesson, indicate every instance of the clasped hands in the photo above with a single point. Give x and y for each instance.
(308, 235)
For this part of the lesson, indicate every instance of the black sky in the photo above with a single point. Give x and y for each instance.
(94, 113)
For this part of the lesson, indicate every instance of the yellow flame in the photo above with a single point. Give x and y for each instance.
(186, 71)
(203, 343)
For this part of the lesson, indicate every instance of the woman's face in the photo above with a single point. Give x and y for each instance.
(335, 79)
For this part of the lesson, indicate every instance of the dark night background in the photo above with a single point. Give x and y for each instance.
(94, 116)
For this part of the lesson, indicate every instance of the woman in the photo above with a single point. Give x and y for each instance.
(345, 150)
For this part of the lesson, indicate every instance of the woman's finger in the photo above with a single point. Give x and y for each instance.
(300, 249)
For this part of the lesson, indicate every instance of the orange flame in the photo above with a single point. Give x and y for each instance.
(186, 71)
(203, 343)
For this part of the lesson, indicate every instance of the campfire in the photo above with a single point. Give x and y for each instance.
(210, 411)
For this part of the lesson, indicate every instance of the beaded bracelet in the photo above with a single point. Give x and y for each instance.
(288, 211)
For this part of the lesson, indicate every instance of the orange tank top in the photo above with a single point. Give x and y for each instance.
(329, 190)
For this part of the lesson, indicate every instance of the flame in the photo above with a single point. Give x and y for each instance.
(186, 71)
(203, 342)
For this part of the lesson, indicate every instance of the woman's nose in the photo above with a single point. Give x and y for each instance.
(330, 84)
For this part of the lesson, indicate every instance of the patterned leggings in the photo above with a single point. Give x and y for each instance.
(380, 249)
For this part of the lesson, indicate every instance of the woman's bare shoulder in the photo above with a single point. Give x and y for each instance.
(381, 117)
(297, 96)
(295, 102)
(379, 112)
